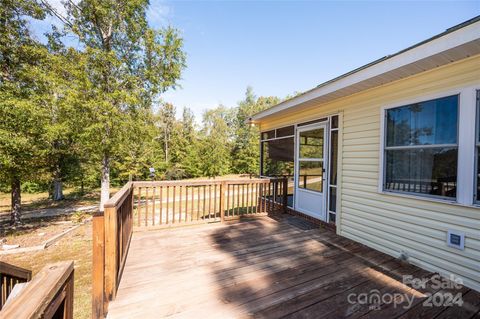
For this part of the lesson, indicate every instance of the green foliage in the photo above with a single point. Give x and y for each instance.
(32, 187)
(129, 64)
(23, 95)
(80, 116)
(216, 141)
(246, 152)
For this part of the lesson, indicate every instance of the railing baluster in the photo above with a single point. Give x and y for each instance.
(248, 195)
(180, 206)
(243, 196)
(209, 200)
(174, 200)
(153, 205)
(186, 202)
(193, 204)
(204, 199)
(198, 202)
(265, 196)
(215, 202)
(223, 191)
(269, 196)
(146, 206)
(161, 204)
(228, 199)
(168, 203)
(256, 198)
(138, 205)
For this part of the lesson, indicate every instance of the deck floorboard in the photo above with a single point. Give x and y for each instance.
(267, 268)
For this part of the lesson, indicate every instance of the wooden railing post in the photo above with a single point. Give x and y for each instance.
(69, 297)
(285, 194)
(223, 190)
(110, 252)
(99, 302)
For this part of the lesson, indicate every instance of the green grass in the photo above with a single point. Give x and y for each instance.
(35, 201)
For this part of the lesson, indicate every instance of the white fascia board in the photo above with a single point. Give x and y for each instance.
(443, 43)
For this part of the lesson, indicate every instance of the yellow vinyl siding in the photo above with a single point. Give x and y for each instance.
(392, 223)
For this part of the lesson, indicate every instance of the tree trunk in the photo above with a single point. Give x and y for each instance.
(57, 187)
(105, 182)
(16, 201)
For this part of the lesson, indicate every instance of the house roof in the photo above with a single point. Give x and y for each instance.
(455, 43)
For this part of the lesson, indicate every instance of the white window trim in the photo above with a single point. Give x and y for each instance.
(466, 146)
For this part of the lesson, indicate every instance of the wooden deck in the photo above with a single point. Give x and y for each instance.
(267, 268)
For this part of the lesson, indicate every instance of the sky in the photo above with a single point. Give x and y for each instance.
(283, 47)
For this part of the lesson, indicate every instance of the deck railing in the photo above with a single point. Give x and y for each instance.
(168, 203)
(165, 204)
(48, 295)
(112, 230)
(11, 275)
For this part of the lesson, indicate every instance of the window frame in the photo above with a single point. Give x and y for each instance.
(465, 141)
(420, 147)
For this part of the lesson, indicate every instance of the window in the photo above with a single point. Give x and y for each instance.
(421, 148)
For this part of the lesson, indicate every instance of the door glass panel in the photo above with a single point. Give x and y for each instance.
(311, 144)
(310, 175)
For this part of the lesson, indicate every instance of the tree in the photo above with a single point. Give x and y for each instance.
(186, 143)
(166, 125)
(129, 63)
(216, 142)
(65, 107)
(22, 96)
(245, 152)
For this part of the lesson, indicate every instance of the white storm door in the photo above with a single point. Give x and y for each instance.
(310, 170)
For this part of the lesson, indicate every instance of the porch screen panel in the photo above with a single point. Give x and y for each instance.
(277, 157)
(422, 149)
(277, 160)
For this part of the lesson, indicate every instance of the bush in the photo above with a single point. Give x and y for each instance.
(175, 173)
(32, 187)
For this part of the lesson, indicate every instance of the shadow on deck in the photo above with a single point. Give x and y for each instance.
(271, 268)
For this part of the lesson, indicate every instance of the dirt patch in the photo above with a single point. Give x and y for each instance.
(37, 231)
(32, 235)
